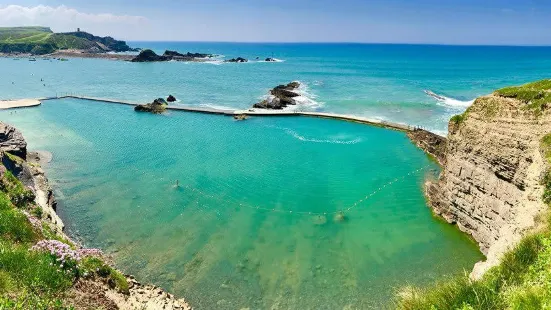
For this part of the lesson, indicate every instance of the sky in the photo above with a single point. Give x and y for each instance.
(478, 22)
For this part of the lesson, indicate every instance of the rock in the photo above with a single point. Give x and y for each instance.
(431, 143)
(12, 141)
(240, 117)
(148, 56)
(157, 106)
(171, 98)
(269, 59)
(173, 55)
(339, 217)
(238, 59)
(280, 97)
(151, 56)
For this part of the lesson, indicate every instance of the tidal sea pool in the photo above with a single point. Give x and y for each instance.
(267, 213)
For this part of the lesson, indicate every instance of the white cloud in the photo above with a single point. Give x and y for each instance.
(63, 18)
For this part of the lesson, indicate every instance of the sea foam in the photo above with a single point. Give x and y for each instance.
(447, 101)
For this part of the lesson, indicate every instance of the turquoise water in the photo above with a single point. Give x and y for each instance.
(254, 222)
(377, 81)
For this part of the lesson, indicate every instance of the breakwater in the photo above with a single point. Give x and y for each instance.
(254, 112)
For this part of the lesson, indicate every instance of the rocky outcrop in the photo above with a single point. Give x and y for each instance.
(269, 59)
(12, 141)
(156, 107)
(280, 97)
(238, 59)
(173, 55)
(148, 56)
(490, 185)
(171, 98)
(431, 143)
(151, 56)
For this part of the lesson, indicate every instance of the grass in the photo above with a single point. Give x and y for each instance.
(96, 267)
(458, 119)
(537, 95)
(546, 149)
(41, 40)
(31, 279)
(24, 34)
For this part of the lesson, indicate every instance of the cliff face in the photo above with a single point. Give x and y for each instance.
(490, 185)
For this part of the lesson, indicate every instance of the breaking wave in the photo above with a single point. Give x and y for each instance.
(447, 101)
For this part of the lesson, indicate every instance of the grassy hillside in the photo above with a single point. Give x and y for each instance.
(38, 267)
(41, 40)
(24, 34)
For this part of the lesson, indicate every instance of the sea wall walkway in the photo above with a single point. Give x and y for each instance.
(253, 112)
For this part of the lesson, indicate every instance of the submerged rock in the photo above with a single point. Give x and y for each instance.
(280, 97)
(156, 107)
(240, 117)
(339, 217)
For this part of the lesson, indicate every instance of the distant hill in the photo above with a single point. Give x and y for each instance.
(42, 40)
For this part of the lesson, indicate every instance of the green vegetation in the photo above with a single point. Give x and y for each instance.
(522, 280)
(546, 148)
(32, 277)
(458, 119)
(536, 95)
(41, 40)
(95, 266)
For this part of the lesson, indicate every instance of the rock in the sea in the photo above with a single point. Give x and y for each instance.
(240, 117)
(12, 141)
(238, 59)
(149, 56)
(173, 55)
(280, 97)
(269, 59)
(171, 98)
(157, 106)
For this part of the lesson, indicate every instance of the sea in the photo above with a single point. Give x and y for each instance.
(266, 213)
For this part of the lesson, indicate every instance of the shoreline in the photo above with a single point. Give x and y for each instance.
(87, 55)
(30, 171)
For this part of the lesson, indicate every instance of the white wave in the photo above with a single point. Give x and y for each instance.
(215, 106)
(296, 135)
(449, 101)
(274, 60)
(305, 100)
(213, 62)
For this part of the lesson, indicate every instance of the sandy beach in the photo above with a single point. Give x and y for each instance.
(20, 103)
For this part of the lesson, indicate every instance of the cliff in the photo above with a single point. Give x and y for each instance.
(41, 40)
(491, 182)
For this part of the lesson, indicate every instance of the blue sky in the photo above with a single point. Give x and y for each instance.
(504, 22)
